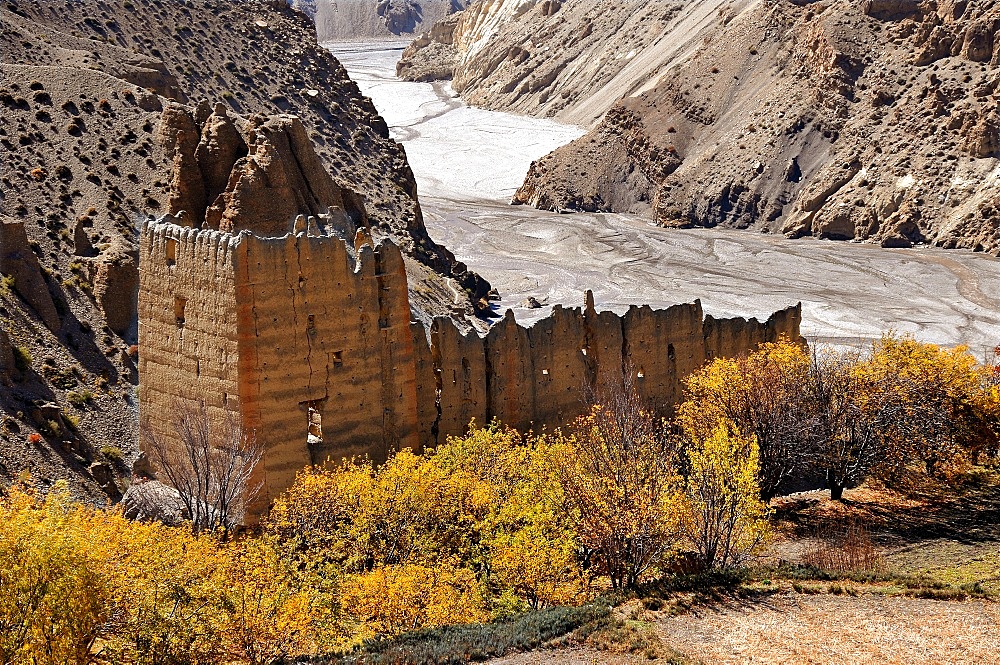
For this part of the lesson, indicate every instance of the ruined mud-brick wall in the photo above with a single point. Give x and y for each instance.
(540, 376)
(313, 349)
(313, 345)
(188, 341)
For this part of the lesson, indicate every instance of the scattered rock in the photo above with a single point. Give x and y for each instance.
(152, 501)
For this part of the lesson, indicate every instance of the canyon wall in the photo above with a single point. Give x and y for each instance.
(568, 59)
(339, 20)
(311, 342)
(874, 120)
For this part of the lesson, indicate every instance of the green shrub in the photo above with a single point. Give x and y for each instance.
(80, 398)
(22, 358)
(113, 454)
(72, 421)
(475, 642)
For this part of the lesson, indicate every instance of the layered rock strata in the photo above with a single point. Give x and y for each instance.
(568, 59)
(311, 342)
(843, 120)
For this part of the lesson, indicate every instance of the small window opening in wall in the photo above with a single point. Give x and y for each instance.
(671, 354)
(314, 422)
(338, 358)
(311, 325)
(179, 305)
(171, 251)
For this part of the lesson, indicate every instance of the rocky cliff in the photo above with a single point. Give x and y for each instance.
(568, 59)
(115, 111)
(872, 120)
(339, 20)
(869, 121)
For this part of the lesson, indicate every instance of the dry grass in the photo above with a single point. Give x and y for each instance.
(845, 550)
(797, 628)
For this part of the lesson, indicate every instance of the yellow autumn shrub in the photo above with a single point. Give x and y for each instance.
(84, 585)
(620, 476)
(945, 404)
(725, 520)
(391, 600)
(760, 394)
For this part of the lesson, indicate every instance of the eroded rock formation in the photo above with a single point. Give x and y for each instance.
(115, 276)
(569, 59)
(258, 176)
(17, 261)
(870, 120)
(310, 340)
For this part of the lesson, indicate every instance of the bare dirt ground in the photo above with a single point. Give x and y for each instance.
(798, 628)
(468, 162)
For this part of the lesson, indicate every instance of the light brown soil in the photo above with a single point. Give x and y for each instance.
(864, 630)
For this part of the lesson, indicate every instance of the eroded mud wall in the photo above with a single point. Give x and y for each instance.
(542, 376)
(327, 363)
(314, 345)
(188, 338)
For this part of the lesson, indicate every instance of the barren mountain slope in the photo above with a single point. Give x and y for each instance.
(338, 20)
(569, 59)
(89, 150)
(873, 120)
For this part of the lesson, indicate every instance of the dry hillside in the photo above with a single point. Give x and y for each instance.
(338, 20)
(569, 59)
(870, 120)
(92, 94)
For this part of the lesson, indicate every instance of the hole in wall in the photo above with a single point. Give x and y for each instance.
(180, 304)
(314, 421)
(171, 251)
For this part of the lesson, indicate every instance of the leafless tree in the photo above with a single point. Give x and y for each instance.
(621, 479)
(211, 467)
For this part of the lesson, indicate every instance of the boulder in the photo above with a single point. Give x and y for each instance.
(152, 501)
